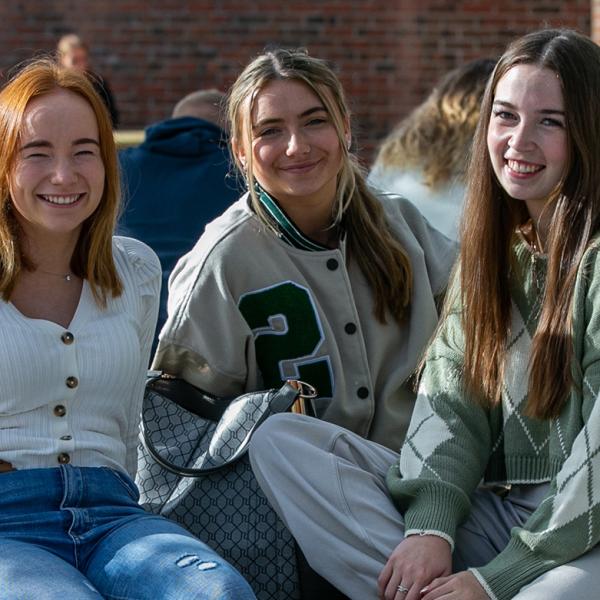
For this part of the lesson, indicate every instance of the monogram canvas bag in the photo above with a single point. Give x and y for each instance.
(193, 468)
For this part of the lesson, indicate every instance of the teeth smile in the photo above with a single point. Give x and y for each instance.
(520, 167)
(71, 199)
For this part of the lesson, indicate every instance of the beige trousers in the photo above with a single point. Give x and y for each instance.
(328, 486)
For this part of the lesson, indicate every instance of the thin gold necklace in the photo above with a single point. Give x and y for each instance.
(531, 237)
(65, 276)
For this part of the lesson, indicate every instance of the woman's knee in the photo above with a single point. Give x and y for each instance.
(277, 432)
(577, 579)
(156, 558)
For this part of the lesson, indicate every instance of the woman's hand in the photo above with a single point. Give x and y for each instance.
(414, 564)
(461, 586)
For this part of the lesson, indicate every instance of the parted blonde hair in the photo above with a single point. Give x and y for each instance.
(380, 256)
(92, 258)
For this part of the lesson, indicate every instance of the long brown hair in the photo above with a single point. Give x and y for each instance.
(92, 258)
(491, 218)
(380, 256)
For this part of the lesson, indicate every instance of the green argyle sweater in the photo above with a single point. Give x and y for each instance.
(453, 443)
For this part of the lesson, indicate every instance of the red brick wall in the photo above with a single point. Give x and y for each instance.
(388, 52)
(595, 24)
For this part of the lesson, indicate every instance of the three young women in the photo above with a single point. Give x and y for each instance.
(508, 393)
(77, 315)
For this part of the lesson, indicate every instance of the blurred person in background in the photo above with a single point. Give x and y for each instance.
(73, 53)
(177, 181)
(425, 157)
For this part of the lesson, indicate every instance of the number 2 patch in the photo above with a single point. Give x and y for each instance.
(288, 336)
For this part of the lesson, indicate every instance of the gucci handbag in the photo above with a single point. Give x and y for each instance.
(193, 468)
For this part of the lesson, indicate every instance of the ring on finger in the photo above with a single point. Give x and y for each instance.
(402, 590)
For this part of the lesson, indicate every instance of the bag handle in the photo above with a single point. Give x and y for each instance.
(238, 419)
(188, 396)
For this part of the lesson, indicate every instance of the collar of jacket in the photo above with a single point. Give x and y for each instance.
(284, 226)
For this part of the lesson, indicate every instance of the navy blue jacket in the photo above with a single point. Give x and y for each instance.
(174, 183)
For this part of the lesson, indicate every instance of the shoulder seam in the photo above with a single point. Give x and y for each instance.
(224, 234)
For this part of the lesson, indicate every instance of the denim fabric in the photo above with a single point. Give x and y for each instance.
(70, 532)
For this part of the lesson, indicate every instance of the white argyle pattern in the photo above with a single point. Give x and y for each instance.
(578, 491)
(427, 431)
(516, 371)
(516, 377)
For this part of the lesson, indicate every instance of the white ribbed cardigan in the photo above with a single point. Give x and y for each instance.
(80, 399)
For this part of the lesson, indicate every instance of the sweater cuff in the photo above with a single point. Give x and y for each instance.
(436, 510)
(423, 532)
(515, 567)
(483, 584)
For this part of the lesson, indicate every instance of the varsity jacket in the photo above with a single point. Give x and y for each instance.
(249, 309)
(452, 442)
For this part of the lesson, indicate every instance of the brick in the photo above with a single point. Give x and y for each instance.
(388, 53)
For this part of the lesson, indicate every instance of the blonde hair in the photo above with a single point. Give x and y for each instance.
(380, 256)
(70, 42)
(92, 258)
(437, 135)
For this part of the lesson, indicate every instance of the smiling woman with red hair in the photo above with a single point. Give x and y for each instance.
(77, 315)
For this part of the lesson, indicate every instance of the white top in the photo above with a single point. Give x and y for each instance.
(78, 399)
(442, 206)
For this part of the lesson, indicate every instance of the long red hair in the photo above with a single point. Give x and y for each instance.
(92, 258)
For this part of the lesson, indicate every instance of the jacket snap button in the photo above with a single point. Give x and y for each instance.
(60, 410)
(332, 264)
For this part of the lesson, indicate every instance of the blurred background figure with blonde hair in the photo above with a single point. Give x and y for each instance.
(425, 157)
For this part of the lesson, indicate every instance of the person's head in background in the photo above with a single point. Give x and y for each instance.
(73, 52)
(436, 136)
(202, 104)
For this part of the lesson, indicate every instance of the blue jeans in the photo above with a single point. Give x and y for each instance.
(71, 532)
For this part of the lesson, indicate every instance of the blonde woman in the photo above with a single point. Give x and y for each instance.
(425, 157)
(77, 314)
(309, 275)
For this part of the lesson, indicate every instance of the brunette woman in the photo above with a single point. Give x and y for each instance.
(508, 394)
